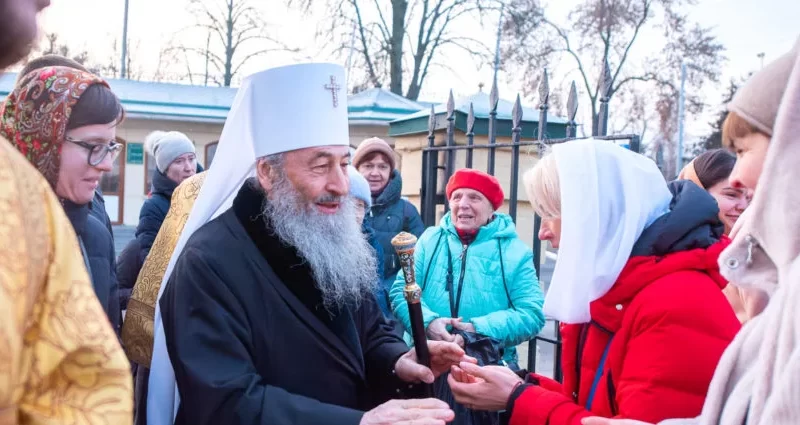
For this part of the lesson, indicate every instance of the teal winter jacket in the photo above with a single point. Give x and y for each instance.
(501, 296)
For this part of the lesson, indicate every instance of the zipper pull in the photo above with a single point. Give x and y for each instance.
(751, 244)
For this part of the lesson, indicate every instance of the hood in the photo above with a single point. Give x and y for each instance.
(501, 227)
(768, 240)
(692, 222)
(390, 193)
(34, 116)
(688, 237)
(641, 271)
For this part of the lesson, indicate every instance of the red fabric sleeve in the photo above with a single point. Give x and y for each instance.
(545, 382)
(538, 406)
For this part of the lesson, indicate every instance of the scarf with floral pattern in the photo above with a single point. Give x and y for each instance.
(34, 116)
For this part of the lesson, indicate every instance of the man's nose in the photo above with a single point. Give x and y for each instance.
(338, 182)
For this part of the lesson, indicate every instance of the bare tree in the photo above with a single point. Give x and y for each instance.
(395, 39)
(233, 32)
(51, 44)
(605, 31)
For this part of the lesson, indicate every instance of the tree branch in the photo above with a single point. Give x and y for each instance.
(367, 58)
(636, 29)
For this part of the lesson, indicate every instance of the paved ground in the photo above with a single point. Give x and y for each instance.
(122, 235)
(544, 353)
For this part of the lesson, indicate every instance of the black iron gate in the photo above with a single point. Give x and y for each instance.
(432, 196)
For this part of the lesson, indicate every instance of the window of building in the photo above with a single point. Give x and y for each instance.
(211, 150)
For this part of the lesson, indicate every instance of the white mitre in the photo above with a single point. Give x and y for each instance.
(277, 110)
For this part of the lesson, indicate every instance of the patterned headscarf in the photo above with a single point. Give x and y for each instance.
(34, 116)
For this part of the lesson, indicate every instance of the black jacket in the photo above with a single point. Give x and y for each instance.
(97, 246)
(154, 211)
(391, 214)
(249, 342)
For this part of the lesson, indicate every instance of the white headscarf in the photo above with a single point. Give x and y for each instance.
(277, 110)
(609, 195)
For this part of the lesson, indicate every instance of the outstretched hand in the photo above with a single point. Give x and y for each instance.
(482, 388)
(443, 355)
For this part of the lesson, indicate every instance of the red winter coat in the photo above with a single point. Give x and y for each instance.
(670, 323)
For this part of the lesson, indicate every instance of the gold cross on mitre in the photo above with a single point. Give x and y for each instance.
(334, 89)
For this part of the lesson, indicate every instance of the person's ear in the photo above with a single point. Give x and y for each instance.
(264, 173)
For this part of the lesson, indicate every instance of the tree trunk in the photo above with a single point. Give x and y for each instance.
(399, 8)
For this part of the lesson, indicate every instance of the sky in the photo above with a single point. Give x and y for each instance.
(745, 27)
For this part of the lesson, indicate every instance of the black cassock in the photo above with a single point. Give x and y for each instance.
(250, 341)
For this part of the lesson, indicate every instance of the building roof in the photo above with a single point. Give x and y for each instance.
(380, 105)
(181, 102)
(417, 122)
(481, 108)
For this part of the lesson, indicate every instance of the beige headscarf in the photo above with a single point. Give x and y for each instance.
(757, 381)
(689, 173)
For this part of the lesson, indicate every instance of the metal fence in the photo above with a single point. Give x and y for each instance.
(432, 196)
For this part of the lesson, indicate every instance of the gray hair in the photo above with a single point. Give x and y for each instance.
(343, 264)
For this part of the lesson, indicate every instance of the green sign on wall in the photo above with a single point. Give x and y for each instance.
(135, 153)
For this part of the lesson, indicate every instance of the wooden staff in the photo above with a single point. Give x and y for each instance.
(404, 244)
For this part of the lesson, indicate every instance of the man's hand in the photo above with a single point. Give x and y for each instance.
(437, 330)
(427, 411)
(482, 388)
(462, 326)
(596, 420)
(443, 355)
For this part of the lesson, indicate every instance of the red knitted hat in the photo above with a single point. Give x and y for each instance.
(477, 180)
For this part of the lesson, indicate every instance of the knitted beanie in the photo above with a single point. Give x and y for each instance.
(758, 99)
(369, 146)
(359, 188)
(477, 180)
(167, 146)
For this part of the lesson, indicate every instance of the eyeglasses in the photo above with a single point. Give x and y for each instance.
(98, 151)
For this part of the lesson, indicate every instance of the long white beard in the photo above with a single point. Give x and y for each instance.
(343, 263)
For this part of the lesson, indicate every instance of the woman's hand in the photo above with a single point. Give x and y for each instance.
(437, 330)
(482, 388)
(462, 326)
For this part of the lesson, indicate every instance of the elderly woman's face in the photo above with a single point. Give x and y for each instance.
(182, 168)
(551, 231)
(469, 209)
(77, 179)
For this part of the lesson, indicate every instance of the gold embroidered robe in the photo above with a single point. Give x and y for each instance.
(60, 361)
(137, 330)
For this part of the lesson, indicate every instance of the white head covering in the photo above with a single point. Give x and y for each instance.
(270, 114)
(609, 195)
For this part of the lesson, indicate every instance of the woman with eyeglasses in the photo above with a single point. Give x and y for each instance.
(64, 121)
